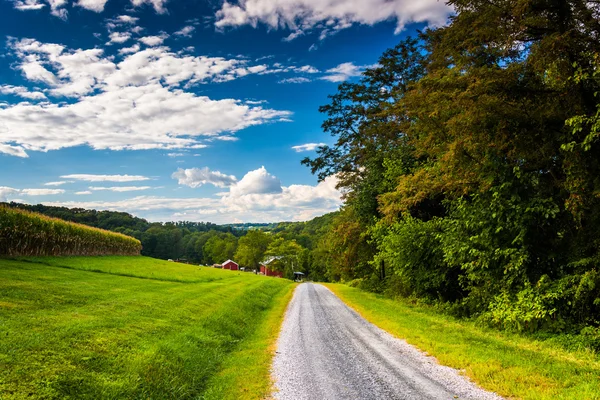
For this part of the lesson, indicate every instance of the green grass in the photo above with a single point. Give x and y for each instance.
(135, 328)
(514, 366)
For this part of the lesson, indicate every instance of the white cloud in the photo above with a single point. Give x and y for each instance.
(58, 183)
(121, 21)
(56, 6)
(106, 178)
(134, 104)
(26, 5)
(16, 151)
(344, 71)
(120, 188)
(128, 50)
(41, 192)
(92, 5)
(22, 91)
(186, 31)
(292, 203)
(299, 79)
(155, 40)
(329, 16)
(158, 5)
(118, 37)
(309, 69)
(258, 181)
(176, 154)
(307, 147)
(84, 192)
(196, 177)
(6, 191)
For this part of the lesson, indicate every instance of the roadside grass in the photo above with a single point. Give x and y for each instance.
(514, 366)
(77, 328)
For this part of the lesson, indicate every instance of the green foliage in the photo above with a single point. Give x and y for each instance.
(251, 248)
(29, 234)
(285, 256)
(471, 162)
(219, 248)
(411, 250)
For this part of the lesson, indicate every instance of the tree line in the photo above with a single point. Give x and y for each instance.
(470, 160)
(288, 244)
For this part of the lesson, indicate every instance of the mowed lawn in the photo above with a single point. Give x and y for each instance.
(135, 328)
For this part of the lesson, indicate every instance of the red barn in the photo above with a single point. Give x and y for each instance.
(232, 265)
(267, 272)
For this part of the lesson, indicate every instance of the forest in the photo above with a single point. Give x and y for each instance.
(470, 160)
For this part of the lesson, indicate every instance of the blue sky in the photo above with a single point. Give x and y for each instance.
(182, 110)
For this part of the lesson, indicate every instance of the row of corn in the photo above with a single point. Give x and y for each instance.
(24, 233)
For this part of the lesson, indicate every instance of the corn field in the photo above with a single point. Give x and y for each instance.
(23, 233)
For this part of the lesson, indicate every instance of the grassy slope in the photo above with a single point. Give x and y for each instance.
(511, 365)
(91, 328)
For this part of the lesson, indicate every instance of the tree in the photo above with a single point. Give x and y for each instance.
(252, 247)
(219, 248)
(285, 255)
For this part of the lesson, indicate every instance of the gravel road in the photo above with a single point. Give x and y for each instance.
(327, 351)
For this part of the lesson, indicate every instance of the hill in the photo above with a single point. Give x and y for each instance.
(135, 327)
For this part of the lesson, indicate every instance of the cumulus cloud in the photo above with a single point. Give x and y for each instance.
(196, 177)
(13, 150)
(291, 203)
(137, 103)
(258, 181)
(329, 16)
(92, 5)
(155, 40)
(6, 191)
(344, 71)
(158, 5)
(118, 37)
(121, 21)
(307, 147)
(106, 178)
(22, 91)
(120, 188)
(186, 31)
(26, 5)
(129, 50)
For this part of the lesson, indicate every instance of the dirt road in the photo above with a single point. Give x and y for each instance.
(327, 351)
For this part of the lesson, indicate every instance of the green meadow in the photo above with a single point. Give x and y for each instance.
(135, 328)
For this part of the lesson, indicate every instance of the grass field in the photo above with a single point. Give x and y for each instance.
(135, 328)
(511, 365)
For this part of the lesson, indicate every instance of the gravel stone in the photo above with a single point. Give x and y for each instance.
(327, 351)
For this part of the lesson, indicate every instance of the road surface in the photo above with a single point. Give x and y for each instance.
(326, 351)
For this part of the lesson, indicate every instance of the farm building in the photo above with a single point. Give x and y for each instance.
(232, 265)
(266, 271)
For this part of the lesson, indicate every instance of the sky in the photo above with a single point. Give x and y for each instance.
(196, 110)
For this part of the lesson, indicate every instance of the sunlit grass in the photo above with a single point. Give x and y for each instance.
(78, 328)
(512, 365)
